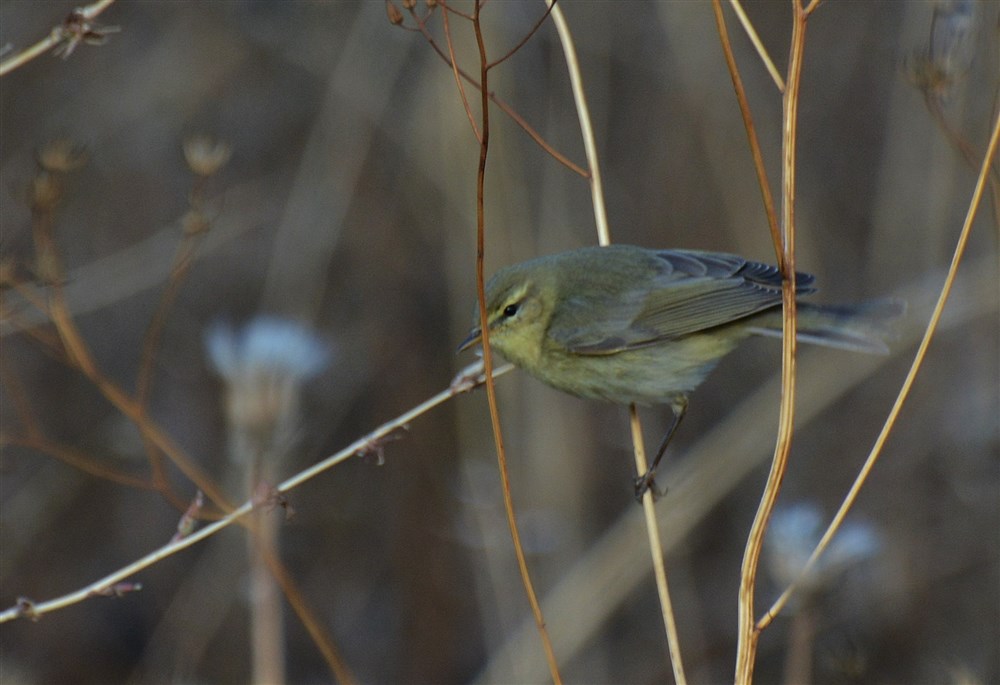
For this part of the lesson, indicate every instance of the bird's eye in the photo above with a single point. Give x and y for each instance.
(510, 310)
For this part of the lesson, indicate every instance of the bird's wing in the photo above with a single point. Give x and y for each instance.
(695, 291)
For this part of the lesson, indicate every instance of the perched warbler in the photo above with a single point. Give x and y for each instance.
(634, 325)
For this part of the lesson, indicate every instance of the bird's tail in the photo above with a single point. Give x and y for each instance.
(863, 327)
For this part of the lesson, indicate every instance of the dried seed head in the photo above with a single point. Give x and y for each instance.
(264, 365)
(62, 156)
(946, 61)
(395, 16)
(205, 156)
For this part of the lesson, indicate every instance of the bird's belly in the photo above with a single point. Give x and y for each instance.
(657, 374)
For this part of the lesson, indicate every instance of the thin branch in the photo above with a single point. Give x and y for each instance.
(521, 43)
(466, 381)
(458, 13)
(504, 107)
(313, 625)
(458, 81)
(758, 45)
(76, 28)
(77, 460)
(604, 238)
(183, 260)
(918, 360)
(758, 158)
(522, 563)
(81, 357)
(656, 551)
(583, 112)
(748, 635)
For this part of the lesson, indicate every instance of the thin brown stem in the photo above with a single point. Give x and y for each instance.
(748, 634)
(458, 80)
(80, 355)
(151, 344)
(911, 375)
(758, 44)
(154, 333)
(467, 381)
(758, 158)
(504, 107)
(320, 636)
(458, 13)
(522, 563)
(656, 551)
(521, 43)
(22, 406)
(76, 459)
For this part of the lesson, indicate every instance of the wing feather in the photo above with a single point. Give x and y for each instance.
(692, 291)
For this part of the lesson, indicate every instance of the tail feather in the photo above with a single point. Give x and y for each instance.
(864, 327)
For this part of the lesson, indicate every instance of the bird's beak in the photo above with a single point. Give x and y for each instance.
(474, 336)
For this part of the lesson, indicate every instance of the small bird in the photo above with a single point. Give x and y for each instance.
(629, 324)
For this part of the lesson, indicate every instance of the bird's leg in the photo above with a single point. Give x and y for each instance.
(645, 481)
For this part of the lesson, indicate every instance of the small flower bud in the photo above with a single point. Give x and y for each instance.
(395, 16)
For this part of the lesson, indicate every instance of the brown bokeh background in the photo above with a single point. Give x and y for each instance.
(349, 206)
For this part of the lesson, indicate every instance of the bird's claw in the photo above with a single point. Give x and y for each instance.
(644, 483)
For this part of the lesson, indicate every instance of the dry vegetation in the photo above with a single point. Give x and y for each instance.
(348, 205)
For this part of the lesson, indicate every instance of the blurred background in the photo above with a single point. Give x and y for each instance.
(346, 214)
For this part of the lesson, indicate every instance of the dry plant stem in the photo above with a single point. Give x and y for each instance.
(78, 460)
(56, 37)
(357, 447)
(504, 107)
(758, 45)
(967, 151)
(457, 13)
(904, 391)
(484, 142)
(34, 439)
(312, 624)
(656, 550)
(583, 113)
(22, 406)
(458, 78)
(758, 158)
(80, 355)
(267, 635)
(151, 343)
(799, 650)
(748, 634)
(604, 238)
(520, 44)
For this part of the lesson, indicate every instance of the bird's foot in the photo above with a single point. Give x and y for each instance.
(644, 483)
